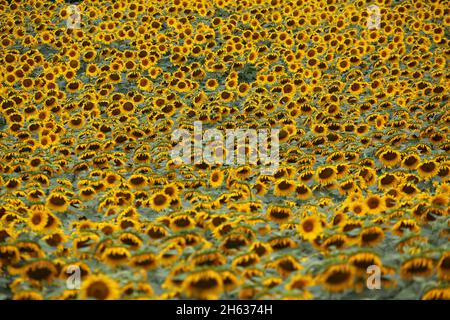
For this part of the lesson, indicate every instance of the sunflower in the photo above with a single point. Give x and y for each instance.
(156, 232)
(55, 239)
(411, 161)
(390, 158)
(416, 267)
(137, 181)
(139, 290)
(326, 175)
(8, 255)
(245, 260)
(38, 219)
(284, 187)
(338, 241)
(27, 295)
(209, 259)
(233, 241)
(41, 270)
(374, 204)
(57, 202)
(300, 282)
(286, 265)
(310, 227)
(362, 260)
(428, 169)
(147, 261)
(216, 178)
(405, 224)
(437, 294)
(130, 239)
(181, 222)
(279, 214)
(443, 267)
(337, 278)
(159, 201)
(99, 287)
(371, 236)
(303, 192)
(115, 256)
(169, 254)
(203, 285)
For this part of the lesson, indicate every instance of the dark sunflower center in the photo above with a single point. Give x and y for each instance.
(160, 200)
(98, 290)
(428, 167)
(338, 277)
(326, 173)
(308, 226)
(207, 283)
(373, 203)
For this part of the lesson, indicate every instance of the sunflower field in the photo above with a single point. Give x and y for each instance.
(357, 209)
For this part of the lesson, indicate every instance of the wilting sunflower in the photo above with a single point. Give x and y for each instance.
(99, 287)
(203, 285)
(337, 278)
(310, 227)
